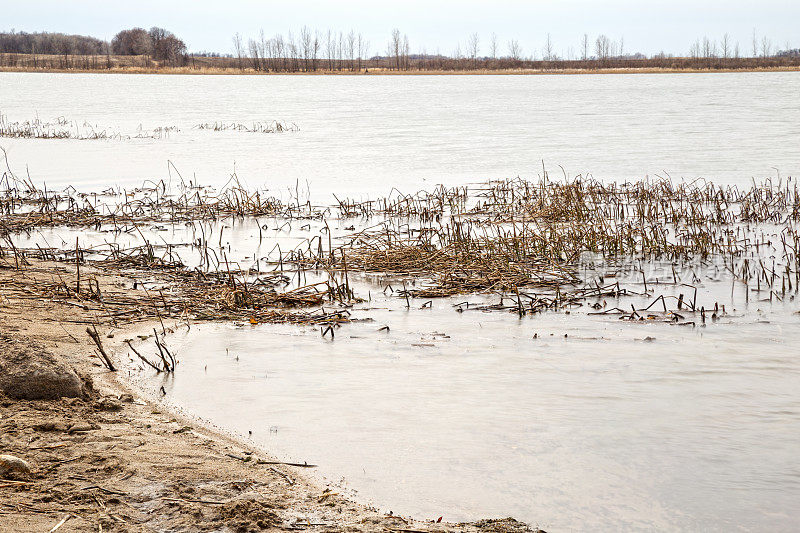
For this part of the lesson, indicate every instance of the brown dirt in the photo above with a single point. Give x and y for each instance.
(28, 371)
(108, 461)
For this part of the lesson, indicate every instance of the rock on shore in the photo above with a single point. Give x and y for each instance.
(29, 371)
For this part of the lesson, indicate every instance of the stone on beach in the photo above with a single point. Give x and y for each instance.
(28, 371)
(11, 464)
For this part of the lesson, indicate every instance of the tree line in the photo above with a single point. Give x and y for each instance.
(310, 50)
(307, 51)
(156, 44)
(50, 43)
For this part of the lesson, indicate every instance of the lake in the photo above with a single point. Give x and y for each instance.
(364, 135)
(567, 421)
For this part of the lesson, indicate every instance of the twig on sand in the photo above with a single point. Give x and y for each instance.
(96, 338)
(209, 502)
(289, 480)
(302, 465)
(61, 523)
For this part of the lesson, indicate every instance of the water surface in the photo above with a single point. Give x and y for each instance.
(570, 421)
(362, 135)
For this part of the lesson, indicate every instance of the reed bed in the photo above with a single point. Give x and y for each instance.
(61, 128)
(25, 207)
(221, 292)
(525, 241)
(165, 289)
(516, 235)
(256, 127)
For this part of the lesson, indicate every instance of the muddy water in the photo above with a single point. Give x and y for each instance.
(567, 421)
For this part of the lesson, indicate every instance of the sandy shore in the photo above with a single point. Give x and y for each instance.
(108, 460)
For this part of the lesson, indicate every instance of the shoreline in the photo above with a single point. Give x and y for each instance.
(115, 459)
(172, 473)
(178, 71)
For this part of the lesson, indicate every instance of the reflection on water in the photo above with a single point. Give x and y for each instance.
(568, 421)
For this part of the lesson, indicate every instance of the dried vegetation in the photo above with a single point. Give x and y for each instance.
(532, 243)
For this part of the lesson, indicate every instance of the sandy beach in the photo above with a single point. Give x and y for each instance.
(107, 459)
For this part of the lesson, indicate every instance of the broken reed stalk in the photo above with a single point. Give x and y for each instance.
(143, 358)
(96, 338)
(504, 236)
(167, 359)
(77, 268)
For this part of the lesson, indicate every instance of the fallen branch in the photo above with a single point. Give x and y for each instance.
(96, 338)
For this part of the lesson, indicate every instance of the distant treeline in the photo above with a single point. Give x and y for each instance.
(50, 43)
(214, 63)
(423, 63)
(157, 44)
(313, 51)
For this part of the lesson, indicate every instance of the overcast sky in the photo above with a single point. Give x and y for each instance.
(440, 25)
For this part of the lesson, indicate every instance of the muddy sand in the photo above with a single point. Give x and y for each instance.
(80, 451)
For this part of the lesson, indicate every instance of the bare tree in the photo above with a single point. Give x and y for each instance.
(472, 48)
(585, 47)
(315, 46)
(755, 44)
(237, 45)
(395, 46)
(548, 49)
(330, 49)
(363, 46)
(766, 47)
(602, 46)
(493, 46)
(305, 47)
(514, 50)
(293, 51)
(706, 47)
(351, 49)
(252, 45)
(280, 52)
(695, 49)
(725, 46)
(340, 51)
(406, 52)
(262, 45)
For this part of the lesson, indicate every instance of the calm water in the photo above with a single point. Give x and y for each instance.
(589, 424)
(363, 135)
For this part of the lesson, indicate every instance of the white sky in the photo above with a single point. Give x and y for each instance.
(441, 25)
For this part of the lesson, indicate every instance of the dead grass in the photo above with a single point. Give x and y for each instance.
(229, 66)
(507, 236)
